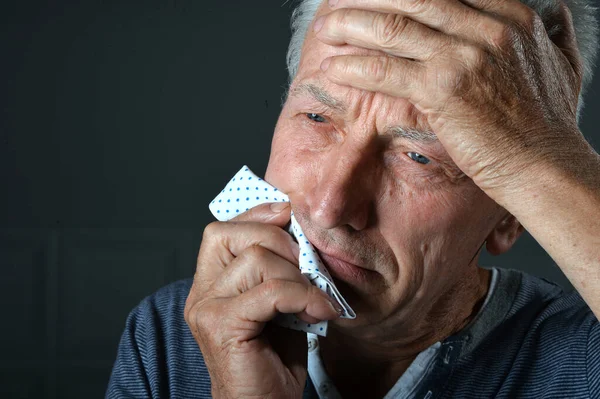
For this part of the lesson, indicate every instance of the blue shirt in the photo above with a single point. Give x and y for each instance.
(410, 381)
(531, 340)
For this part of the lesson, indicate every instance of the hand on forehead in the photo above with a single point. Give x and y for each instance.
(470, 66)
(415, 30)
(420, 29)
(448, 16)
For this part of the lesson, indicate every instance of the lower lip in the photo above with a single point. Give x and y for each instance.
(346, 271)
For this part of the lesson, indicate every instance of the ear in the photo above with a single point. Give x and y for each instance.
(504, 235)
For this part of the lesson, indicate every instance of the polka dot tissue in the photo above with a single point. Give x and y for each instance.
(245, 191)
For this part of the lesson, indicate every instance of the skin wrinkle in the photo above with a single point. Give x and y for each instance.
(362, 249)
(412, 134)
(425, 136)
(412, 226)
(319, 94)
(419, 237)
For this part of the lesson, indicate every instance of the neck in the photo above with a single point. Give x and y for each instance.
(361, 365)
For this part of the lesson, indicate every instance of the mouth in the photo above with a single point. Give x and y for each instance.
(342, 268)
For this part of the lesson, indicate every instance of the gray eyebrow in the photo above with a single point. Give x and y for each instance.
(422, 136)
(320, 95)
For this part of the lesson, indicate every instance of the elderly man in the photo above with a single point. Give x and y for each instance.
(414, 133)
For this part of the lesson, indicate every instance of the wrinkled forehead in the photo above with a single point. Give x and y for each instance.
(309, 74)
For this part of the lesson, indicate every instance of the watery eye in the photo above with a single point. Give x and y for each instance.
(418, 158)
(316, 118)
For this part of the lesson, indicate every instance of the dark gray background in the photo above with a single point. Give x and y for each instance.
(119, 122)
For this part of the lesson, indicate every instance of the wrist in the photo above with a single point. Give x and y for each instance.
(524, 176)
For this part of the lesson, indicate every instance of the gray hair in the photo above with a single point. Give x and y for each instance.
(584, 22)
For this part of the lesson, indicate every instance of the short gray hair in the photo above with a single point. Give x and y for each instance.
(584, 22)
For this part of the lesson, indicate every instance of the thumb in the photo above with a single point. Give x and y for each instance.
(276, 213)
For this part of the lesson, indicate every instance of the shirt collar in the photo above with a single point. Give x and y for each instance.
(503, 287)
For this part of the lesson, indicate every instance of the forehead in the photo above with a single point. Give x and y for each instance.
(359, 101)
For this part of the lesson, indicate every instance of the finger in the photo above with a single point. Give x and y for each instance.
(244, 316)
(511, 10)
(252, 267)
(450, 17)
(428, 86)
(566, 41)
(235, 237)
(394, 34)
(263, 302)
(307, 318)
(277, 213)
(222, 242)
(255, 266)
(388, 75)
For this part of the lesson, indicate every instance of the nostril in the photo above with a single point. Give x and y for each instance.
(326, 216)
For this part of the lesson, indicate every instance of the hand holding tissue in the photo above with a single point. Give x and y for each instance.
(245, 191)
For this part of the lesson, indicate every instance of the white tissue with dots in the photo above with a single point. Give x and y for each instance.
(245, 191)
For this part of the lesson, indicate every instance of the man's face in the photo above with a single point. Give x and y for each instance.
(392, 203)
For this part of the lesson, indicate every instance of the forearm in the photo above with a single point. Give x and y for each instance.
(559, 204)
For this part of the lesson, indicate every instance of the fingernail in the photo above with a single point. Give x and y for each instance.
(336, 307)
(319, 24)
(325, 64)
(296, 250)
(332, 3)
(277, 207)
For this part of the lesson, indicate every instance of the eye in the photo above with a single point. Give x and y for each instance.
(316, 118)
(415, 156)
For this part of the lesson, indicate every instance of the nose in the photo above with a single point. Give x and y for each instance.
(344, 191)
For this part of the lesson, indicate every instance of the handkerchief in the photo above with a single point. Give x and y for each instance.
(245, 191)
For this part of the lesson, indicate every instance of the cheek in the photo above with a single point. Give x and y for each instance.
(290, 169)
(416, 220)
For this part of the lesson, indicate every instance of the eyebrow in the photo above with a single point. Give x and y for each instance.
(412, 134)
(321, 95)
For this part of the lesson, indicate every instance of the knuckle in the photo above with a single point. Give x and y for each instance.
(187, 311)
(379, 69)
(418, 6)
(503, 35)
(339, 18)
(271, 234)
(252, 265)
(393, 26)
(254, 254)
(196, 315)
(211, 230)
(530, 20)
(451, 81)
(272, 289)
(473, 57)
